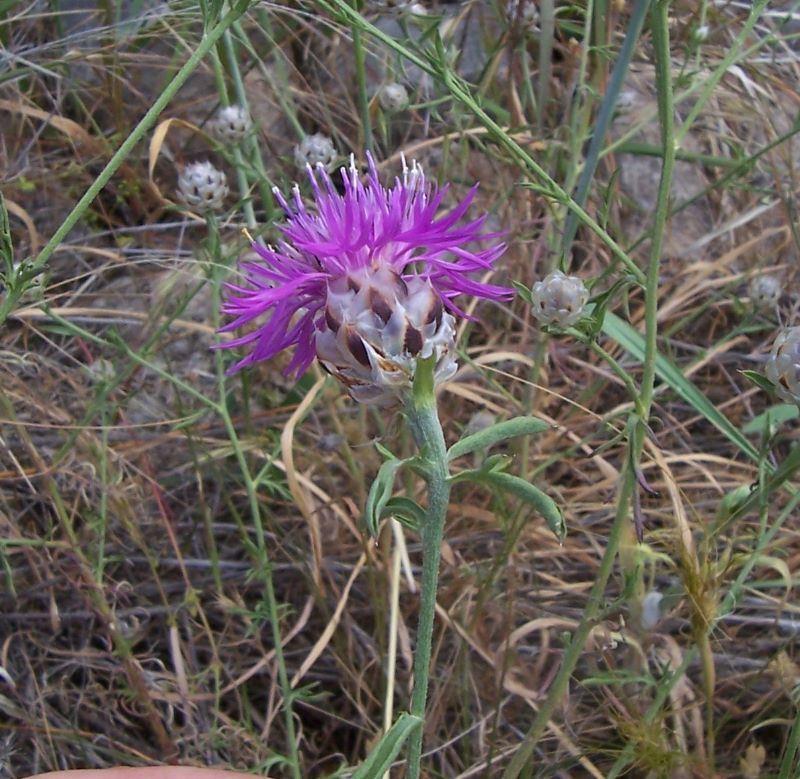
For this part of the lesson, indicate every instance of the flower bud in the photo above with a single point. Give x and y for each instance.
(393, 97)
(701, 33)
(765, 292)
(231, 124)
(377, 325)
(392, 6)
(314, 150)
(202, 187)
(559, 299)
(522, 15)
(783, 365)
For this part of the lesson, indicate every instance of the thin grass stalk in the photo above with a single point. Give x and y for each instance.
(547, 21)
(604, 117)
(579, 108)
(359, 57)
(394, 621)
(721, 69)
(789, 767)
(241, 175)
(660, 28)
(636, 426)
(522, 759)
(263, 559)
(145, 124)
(424, 422)
(254, 157)
(280, 76)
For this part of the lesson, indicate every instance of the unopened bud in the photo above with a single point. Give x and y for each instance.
(701, 33)
(559, 299)
(314, 150)
(377, 325)
(765, 291)
(783, 365)
(231, 124)
(392, 6)
(522, 14)
(393, 97)
(202, 187)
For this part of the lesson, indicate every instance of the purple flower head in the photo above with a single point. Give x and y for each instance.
(372, 271)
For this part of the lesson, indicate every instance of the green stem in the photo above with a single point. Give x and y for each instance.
(588, 621)
(262, 551)
(361, 81)
(147, 121)
(660, 26)
(603, 121)
(250, 143)
(427, 431)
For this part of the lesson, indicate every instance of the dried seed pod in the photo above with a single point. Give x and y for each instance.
(202, 187)
(559, 299)
(783, 365)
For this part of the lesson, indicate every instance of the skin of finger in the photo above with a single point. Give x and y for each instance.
(171, 772)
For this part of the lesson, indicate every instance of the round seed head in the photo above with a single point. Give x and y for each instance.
(314, 150)
(231, 124)
(559, 299)
(765, 292)
(202, 187)
(393, 97)
(783, 365)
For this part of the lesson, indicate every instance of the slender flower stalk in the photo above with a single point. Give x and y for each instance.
(424, 422)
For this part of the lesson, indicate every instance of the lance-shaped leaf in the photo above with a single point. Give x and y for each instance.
(492, 435)
(381, 492)
(406, 511)
(491, 473)
(387, 749)
(496, 463)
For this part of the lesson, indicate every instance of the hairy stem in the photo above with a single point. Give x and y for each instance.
(427, 431)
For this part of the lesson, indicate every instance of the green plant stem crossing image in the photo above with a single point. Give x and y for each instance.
(399, 390)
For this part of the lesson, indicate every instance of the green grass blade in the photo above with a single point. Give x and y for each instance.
(666, 370)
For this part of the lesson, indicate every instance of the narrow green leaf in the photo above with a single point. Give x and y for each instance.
(523, 291)
(406, 511)
(633, 341)
(380, 493)
(387, 749)
(496, 433)
(524, 490)
(496, 463)
(6, 244)
(761, 381)
(772, 417)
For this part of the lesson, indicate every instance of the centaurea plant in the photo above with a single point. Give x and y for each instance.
(366, 282)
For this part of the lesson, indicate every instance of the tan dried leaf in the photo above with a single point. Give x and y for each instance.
(752, 761)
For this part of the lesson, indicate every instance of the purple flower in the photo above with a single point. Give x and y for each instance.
(367, 277)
